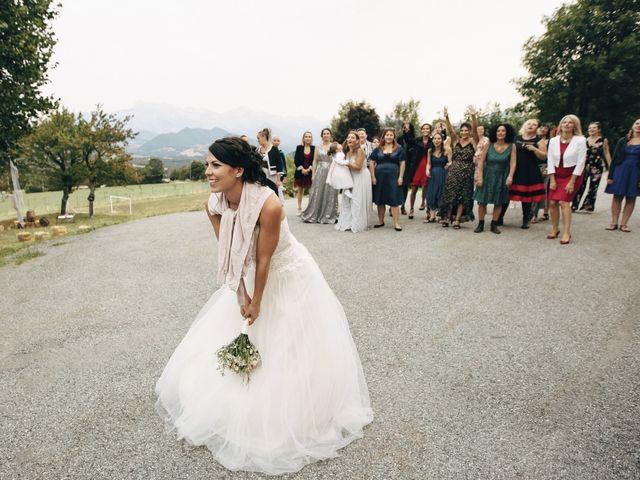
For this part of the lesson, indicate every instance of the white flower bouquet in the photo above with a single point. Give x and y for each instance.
(240, 356)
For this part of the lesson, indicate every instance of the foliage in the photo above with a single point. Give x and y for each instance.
(493, 114)
(353, 115)
(153, 171)
(52, 148)
(102, 138)
(404, 112)
(26, 45)
(193, 171)
(586, 63)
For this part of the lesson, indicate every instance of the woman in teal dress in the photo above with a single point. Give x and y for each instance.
(495, 174)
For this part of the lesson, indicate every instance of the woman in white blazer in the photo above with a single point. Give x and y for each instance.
(566, 158)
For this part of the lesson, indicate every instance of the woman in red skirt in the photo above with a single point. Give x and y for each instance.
(420, 178)
(565, 165)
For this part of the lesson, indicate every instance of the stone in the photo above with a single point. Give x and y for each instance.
(84, 228)
(24, 236)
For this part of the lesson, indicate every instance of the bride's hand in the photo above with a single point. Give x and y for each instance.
(250, 312)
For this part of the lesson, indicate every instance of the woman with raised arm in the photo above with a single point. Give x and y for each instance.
(458, 190)
(597, 154)
(323, 198)
(355, 211)
(624, 177)
(565, 163)
(309, 397)
(303, 160)
(387, 171)
(496, 167)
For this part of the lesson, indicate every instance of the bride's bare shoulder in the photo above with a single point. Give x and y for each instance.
(272, 211)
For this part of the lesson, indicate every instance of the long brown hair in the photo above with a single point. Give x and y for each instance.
(382, 135)
(345, 145)
(630, 134)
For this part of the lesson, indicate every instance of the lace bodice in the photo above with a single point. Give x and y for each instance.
(287, 254)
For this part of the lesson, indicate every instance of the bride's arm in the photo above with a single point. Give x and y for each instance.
(268, 237)
(214, 219)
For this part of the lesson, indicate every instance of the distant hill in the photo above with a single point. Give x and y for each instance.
(165, 119)
(187, 143)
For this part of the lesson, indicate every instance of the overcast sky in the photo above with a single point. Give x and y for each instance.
(292, 57)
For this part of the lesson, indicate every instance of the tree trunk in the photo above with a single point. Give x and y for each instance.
(65, 197)
(91, 197)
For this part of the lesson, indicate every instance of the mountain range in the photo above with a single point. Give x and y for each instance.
(182, 134)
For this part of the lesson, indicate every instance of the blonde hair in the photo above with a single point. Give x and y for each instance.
(521, 131)
(310, 134)
(630, 134)
(577, 128)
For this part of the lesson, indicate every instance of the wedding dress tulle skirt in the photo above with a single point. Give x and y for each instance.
(306, 400)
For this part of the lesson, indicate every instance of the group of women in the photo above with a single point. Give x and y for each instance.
(556, 171)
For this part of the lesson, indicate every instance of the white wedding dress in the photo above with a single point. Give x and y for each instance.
(308, 398)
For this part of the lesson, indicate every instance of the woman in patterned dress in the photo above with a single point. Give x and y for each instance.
(597, 154)
(458, 189)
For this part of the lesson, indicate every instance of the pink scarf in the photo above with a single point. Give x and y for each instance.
(235, 238)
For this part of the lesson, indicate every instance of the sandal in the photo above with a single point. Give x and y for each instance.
(411, 214)
(612, 227)
(545, 217)
(456, 225)
(445, 223)
(534, 220)
(625, 229)
(379, 225)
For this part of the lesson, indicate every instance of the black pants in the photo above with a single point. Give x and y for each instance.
(526, 212)
(592, 172)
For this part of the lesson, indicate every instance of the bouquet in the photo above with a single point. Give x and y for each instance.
(240, 356)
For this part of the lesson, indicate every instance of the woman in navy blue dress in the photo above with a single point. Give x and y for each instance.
(387, 164)
(624, 177)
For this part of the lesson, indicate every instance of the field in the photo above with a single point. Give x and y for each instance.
(169, 199)
(49, 202)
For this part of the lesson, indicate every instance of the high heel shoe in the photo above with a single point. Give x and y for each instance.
(411, 214)
(551, 236)
(565, 242)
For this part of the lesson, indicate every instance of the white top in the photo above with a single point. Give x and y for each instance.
(574, 156)
(340, 159)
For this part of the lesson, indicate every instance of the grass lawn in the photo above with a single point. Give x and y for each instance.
(13, 252)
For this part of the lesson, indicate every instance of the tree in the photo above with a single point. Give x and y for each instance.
(26, 45)
(102, 138)
(196, 170)
(53, 149)
(153, 171)
(353, 115)
(404, 112)
(586, 63)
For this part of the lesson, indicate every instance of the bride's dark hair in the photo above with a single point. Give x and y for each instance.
(237, 153)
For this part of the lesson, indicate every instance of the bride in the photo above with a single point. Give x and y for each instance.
(309, 397)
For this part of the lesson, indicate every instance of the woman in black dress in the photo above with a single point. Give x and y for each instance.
(303, 161)
(528, 184)
(387, 166)
(458, 188)
(597, 154)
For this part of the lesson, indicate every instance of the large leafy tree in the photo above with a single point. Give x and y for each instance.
(26, 45)
(586, 63)
(53, 149)
(353, 115)
(404, 112)
(153, 171)
(102, 139)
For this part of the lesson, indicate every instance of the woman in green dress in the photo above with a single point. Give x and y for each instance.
(495, 174)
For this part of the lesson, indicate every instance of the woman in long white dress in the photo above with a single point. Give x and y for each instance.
(309, 397)
(355, 211)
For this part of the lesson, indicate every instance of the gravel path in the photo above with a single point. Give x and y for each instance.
(487, 356)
